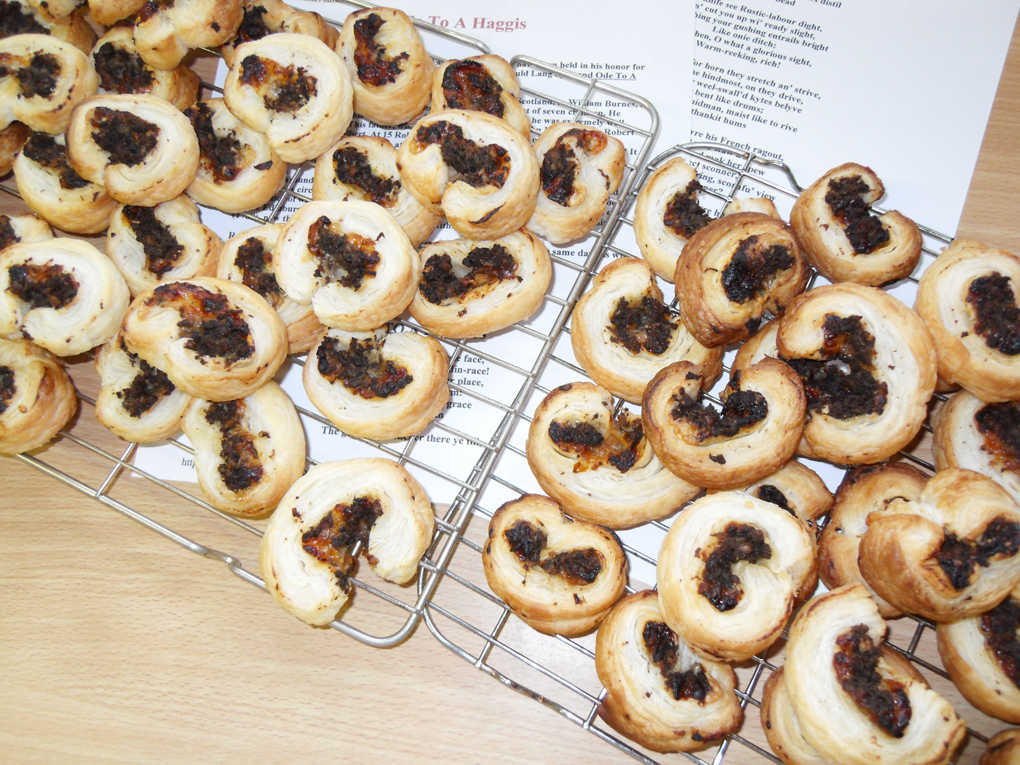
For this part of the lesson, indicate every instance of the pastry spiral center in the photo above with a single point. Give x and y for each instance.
(642, 325)
(253, 25)
(997, 317)
(560, 163)
(161, 248)
(126, 138)
(683, 215)
(845, 198)
(15, 19)
(36, 76)
(352, 168)
(999, 425)
(486, 266)
(704, 423)
(361, 368)
(222, 155)
(42, 286)
(332, 538)
(576, 567)
(662, 646)
(999, 627)
(147, 388)
(241, 467)
(468, 85)
(256, 265)
(375, 66)
(737, 542)
(957, 557)
(345, 258)
(856, 663)
(44, 150)
(282, 88)
(752, 269)
(121, 70)
(211, 324)
(474, 164)
(7, 387)
(594, 449)
(772, 494)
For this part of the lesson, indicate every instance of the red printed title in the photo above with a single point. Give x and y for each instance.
(477, 22)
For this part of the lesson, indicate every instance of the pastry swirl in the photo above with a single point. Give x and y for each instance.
(483, 84)
(12, 138)
(797, 489)
(265, 17)
(22, 228)
(19, 17)
(121, 70)
(37, 397)
(165, 31)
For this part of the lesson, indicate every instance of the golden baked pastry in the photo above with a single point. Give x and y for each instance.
(365, 167)
(163, 243)
(37, 397)
(55, 192)
(843, 239)
(868, 367)
(667, 214)
(797, 489)
(295, 90)
(350, 260)
(165, 31)
(472, 167)
(21, 17)
(238, 170)
(215, 339)
(598, 465)
(12, 138)
(42, 80)
(266, 17)
(106, 12)
(762, 205)
(470, 288)
(22, 228)
(142, 149)
(955, 548)
(122, 70)
(63, 294)
(1003, 748)
(481, 84)
(730, 570)
(622, 333)
(136, 401)
(247, 258)
(306, 557)
(750, 437)
(389, 67)
(56, 7)
(760, 345)
(248, 451)
(966, 301)
(377, 384)
(734, 271)
(659, 692)
(557, 575)
(851, 703)
(863, 490)
(580, 167)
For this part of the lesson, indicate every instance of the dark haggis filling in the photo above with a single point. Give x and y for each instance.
(255, 263)
(845, 198)
(486, 265)
(999, 627)
(844, 385)
(468, 85)
(38, 78)
(161, 248)
(42, 286)
(7, 387)
(332, 538)
(576, 567)
(957, 557)
(213, 327)
(559, 165)
(221, 155)
(361, 368)
(618, 448)
(151, 8)
(146, 389)
(352, 168)
(999, 424)
(740, 410)
(998, 317)
(683, 215)
(44, 150)
(253, 25)
(283, 88)
(374, 66)
(737, 542)
(126, 138)
(241, 467)
(15, 19)
(345, 258)
(772, 494)
(122, 71)
(662, 645)
(642, 325)
(856, 664)
(476, 165)
(750, 271)
(7, 234)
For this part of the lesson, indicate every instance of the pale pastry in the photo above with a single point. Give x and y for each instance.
(37, 397)
(470, 288)
(121, 70)
(762, 205)
(306, 556)
(22, 228)
(797, 489)
(21, 17)
(165, 31)
(266, 17)
(760, 345)
(482, 84)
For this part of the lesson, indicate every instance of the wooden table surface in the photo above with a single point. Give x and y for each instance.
(117, 645)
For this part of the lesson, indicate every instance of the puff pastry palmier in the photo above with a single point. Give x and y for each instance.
(266, 17)
(580, 168)
(238, 170)
(122, 70)
(843, 239)
(797, 489)
(306, 553)
(868, 367)
(295, 90)
(142, 149)
(248, 258)
(377, 384)
(365, 167)
(42, 80)
(21, 17)
(55, 192)
(622, 333)
(472, 167)
(350, 260)
(598, 465)
(955, 548)
(751, 436)
(734, 271)
(137, 401)
(470, 288)
(985, 438)
(659, 692)
(12, 138)
(730, 569)
(163, 243)
(853, 704)
(389, 67)
(982, 656)
(967, 299)
(22, 228)
(1003, 748)
(863, 490)
(165, 31)
(63, 294)
(248, 451)
(37, 397)
(667, 214)
(215, 339)
(557, 575)
(481, 84)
